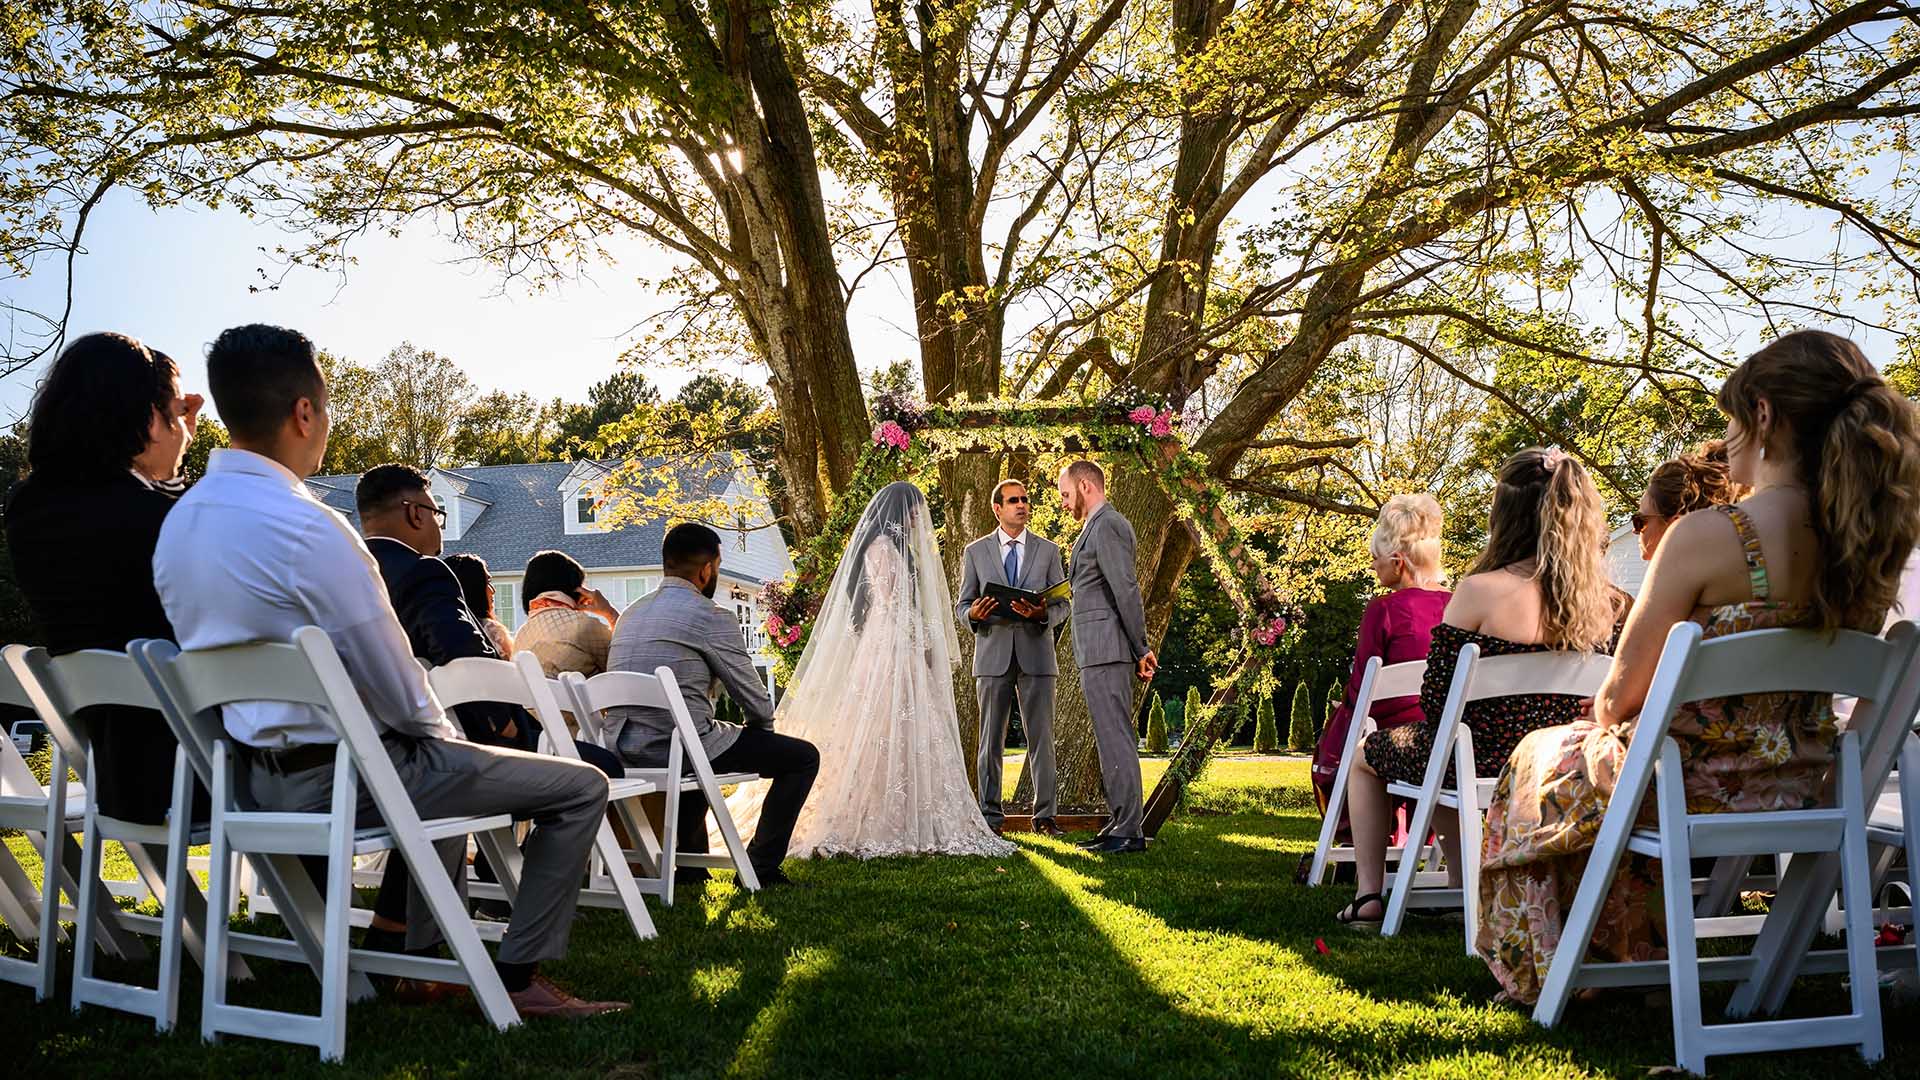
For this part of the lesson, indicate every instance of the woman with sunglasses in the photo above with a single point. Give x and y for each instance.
(1679, 487)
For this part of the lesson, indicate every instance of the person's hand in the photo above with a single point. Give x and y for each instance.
(1148, 665)
(192, 416)
(1026, 610)
(1586, 709)
(982, 608)
(591, 600)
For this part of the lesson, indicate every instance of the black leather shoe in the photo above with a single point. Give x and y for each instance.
(1116, 845)
(1047, 826)
(778, 879)
(1089, 845)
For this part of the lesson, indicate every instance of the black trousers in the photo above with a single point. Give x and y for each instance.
(792, 764)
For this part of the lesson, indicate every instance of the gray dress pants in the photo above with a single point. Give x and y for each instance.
(1109, 693)
(565, 800)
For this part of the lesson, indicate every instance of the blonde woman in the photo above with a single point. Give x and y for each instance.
(1396, 627)
(1832, 455)
(1540, 584)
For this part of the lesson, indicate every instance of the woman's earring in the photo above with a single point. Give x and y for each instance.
(1763, 452)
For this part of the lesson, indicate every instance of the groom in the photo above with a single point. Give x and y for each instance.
(1013, 652)
(1110, 647)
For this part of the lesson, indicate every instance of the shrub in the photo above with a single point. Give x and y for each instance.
(1266, 733)
(1156, 726)
(1300, 731)
(1192, 710)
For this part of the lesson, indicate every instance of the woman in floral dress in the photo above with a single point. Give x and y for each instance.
(1833, 457)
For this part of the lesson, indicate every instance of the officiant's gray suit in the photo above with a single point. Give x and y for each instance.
(1014, 657)
(1109, 638)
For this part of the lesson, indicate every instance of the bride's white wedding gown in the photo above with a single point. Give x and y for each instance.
(874, 692)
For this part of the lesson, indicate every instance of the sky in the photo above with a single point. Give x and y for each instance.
(177, 277)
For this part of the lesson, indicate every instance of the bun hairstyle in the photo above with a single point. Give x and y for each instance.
(1858, 456)
(1410, 525)
(1546, 511)
(1694, 481)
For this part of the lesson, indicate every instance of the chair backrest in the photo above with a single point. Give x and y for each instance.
(616, 689)
(16, 776)
(1882, 672)
(81, 680)
(192, 686)
(1551, 672)
(519, 681)
(1397, 680)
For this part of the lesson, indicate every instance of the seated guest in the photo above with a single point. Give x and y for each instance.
(1677, 488)
(250, 555)
(1396, 627)
(569, 626)
(402, 526)
(1540, 584)
(679, 626)
(109, 429)
(1832, 454)
(476, 584)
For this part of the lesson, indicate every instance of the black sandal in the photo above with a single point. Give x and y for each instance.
(1349, 916)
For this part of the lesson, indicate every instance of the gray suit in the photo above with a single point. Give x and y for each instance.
(1010, 657)
(679, 628)
(1109, 638)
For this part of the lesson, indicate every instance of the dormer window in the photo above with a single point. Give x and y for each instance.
(584, 509)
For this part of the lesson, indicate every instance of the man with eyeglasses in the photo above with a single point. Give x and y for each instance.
(1013, 650)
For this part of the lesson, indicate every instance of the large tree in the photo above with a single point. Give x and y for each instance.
(1210, 199)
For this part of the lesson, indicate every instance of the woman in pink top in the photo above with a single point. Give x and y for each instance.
(1396, 627)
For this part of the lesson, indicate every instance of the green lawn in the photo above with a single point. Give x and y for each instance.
(1196, 959)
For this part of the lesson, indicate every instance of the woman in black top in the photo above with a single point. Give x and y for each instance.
(105, 441)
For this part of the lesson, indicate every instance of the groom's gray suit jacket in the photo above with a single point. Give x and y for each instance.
(996, 644)
(1109, 617)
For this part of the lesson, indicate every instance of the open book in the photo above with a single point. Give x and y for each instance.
(1007, 594)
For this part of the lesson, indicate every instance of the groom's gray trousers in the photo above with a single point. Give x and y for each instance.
(1109, 692)
(1036, 717)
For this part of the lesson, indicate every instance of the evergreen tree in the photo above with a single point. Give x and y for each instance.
(1156, 726)
(1191, 712)
(1300, 731)
(1266, 732)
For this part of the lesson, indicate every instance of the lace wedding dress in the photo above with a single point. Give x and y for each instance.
(874, 691)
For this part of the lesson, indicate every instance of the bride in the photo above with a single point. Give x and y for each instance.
(874, 691)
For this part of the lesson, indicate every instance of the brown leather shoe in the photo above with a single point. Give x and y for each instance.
(427, 992)
(1047, 826)
(543, 998)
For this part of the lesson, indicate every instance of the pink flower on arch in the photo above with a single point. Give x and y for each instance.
(1142, 415)
(1162, 425)
(892, 434)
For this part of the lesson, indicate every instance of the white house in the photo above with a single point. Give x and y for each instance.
(1623, 560)
(506, 513)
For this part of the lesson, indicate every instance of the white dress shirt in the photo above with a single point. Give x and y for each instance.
(1020, 560)
(248, 554)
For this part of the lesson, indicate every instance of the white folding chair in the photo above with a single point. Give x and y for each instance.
(615, 689)
(1377, 683)
(194, 685)
(61, 687)
(1691, 669)
(48, 814)
(1475, 679)
(521, 682)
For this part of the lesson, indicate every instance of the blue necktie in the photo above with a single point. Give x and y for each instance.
(1013, 563)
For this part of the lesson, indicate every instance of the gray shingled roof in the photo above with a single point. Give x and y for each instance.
(524, 514)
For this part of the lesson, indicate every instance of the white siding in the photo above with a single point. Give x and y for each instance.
(1623, 560)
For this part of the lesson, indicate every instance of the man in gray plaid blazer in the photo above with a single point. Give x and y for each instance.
(1109, 647)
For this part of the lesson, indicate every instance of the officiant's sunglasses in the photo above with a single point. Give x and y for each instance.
(1014, 499)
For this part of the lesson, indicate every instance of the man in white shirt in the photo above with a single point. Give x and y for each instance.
(248, 554)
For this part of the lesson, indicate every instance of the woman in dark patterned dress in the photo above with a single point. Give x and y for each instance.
(1540, 584)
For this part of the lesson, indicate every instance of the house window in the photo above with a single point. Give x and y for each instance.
(583, 509)
(749, 631)
(506, 602)
(637, 587)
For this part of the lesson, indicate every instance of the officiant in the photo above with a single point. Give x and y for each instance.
(1012, 595)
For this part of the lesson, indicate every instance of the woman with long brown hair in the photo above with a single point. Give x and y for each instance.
(1694, 481)
(1540, 584)
(1832, 455)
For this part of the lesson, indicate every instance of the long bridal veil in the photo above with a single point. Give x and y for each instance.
(874, 691)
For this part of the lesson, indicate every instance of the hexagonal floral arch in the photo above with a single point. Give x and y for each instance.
(910, 442)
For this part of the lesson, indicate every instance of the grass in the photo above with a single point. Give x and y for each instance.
(1195, 959)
